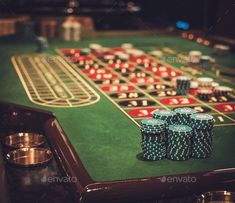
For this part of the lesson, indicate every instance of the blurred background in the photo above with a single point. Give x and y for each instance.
(211, 16)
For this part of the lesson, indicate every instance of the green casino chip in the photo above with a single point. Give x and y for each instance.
(152, 122)
(185, 111)
(180, 128)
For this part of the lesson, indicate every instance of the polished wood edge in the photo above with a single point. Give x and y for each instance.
(13, 106)
(161, 187)
(66, 156)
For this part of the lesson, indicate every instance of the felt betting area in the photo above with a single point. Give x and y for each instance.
(108, 142)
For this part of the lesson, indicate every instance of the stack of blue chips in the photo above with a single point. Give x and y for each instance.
(202, 125)
(179, 142)
(168, 116)
(183, 115)
(153, 142)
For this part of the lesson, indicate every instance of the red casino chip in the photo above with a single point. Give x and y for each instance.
(92, 71)
(229, 107)
(104, 76)
(178, 101)
(144, 80)
(193, 91)
(143, 112)
(118, 88)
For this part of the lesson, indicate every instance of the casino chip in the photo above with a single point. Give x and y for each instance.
(95, 47)
(222, 90)
(183, 115)
(206, 62)
(205, 82)
(127, 46)
(194, 84)
(153, 144)
(202, 125)
(179, 142)
(42, 44)
(195, 57)
(167, 115)
(215, 84)
(182, 85)
(201, 121)
(156, 53)
(221, 49)
(85, 51)
(204, 94)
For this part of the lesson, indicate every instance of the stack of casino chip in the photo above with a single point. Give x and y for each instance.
(222, 90)
(42, 44)
(179, 142)
(221, 49)
(204, 94)
(202, 125)
(194, 56)
(183, 115)
(168, 116)
(153, 142)
(205, 82)
(205, 62)
(182, 85)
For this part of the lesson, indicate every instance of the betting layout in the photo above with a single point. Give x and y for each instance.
(139, 83)
(52, 83)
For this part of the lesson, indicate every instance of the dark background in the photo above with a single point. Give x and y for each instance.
(211, 16)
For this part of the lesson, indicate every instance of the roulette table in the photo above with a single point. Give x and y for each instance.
(89, 104)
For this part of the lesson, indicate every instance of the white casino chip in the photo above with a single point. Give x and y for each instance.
(127, 46)
(194, 56)
(156, 53)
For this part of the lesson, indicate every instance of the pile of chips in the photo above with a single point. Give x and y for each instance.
(222, 91)
(179, 142)
(182, 85)
(183, 115)
(202, 125)
(153, 142)
(212, 91)
(177, 135)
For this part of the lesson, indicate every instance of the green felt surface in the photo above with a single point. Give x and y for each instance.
(107, 142)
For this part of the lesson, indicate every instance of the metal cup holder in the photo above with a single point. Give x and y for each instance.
(217, 196)
(29, 157)
(23, 140)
